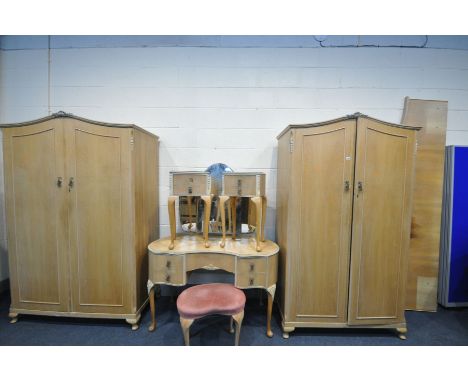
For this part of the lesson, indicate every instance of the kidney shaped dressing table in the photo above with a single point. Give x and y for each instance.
(251, 269)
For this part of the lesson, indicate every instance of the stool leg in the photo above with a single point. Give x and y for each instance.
(185, 323)
(222, 205)
(172, 219)
(238, 318)
(257, 200)
(206, 223)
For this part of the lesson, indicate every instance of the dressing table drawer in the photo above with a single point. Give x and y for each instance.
(210, 261)
(167, 269)
(251, 272)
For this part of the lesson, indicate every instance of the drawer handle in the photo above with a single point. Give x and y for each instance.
(168, 264)
(251, 281)
(168, 278)
(252, 267)
(71, 183)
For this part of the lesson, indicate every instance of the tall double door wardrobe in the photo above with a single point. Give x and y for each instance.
(344, 200)
(81, 207)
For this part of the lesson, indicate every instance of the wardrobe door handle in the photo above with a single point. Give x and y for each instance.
(346, 185)
(71, 183)
(359, 186)
(59, 181)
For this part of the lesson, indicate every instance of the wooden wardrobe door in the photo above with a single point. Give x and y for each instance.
(36, 216)
(381, 223)
(98, 180)
(324, 158)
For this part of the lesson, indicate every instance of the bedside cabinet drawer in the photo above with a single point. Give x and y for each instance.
(251, 272)
(243, 184)
(168, 269)
(190, 183)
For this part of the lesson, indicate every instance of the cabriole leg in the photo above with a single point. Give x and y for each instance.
(222, 206)
(257, 200)
(264, 209)
(185, 323)
(152, 326)
(172, 219)
(189, 203)
(233, 216)
(271, 296)
(238, 318)
(206, 222)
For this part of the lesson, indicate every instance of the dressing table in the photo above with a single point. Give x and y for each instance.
(251, 269)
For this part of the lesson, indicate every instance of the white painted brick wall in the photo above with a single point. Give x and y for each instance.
(228, 104)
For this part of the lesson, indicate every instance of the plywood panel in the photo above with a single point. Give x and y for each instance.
(427, 202)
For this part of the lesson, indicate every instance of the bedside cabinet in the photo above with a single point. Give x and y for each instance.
(244, 184)
(189, 184)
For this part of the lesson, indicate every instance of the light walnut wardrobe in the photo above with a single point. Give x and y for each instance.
(343, 223)
(81, 206)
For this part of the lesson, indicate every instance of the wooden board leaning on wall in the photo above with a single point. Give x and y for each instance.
(423, 267)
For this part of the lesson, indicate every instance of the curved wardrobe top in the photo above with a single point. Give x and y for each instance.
(345, 118)
(62, 114)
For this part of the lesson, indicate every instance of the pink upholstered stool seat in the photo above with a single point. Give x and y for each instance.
(205, 299)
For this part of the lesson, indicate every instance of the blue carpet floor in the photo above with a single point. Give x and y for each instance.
(446, 327)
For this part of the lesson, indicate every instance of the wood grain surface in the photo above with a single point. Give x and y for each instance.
(423, 268)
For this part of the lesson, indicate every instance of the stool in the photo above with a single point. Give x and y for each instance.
(205, 299)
